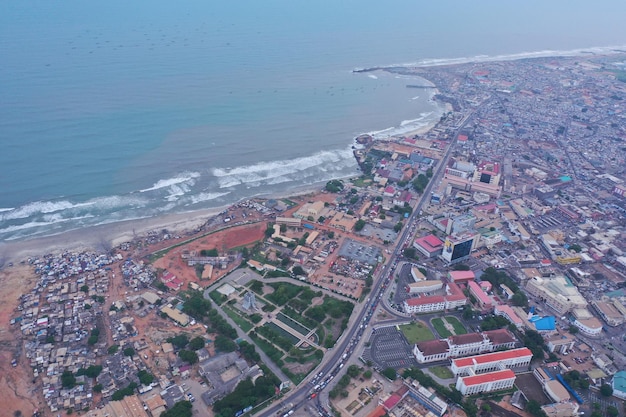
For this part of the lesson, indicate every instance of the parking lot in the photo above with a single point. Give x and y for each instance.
(404, 277)
(359, 252)
(527, 383)
(389, 349)
(595, 397)
(379, 232)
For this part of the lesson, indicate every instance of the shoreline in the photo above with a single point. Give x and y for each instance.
(110, 235)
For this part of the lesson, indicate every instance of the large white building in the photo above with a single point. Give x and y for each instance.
(488, 382)
(558, 293)
(453, 298)
(489, 362)
(462, 345)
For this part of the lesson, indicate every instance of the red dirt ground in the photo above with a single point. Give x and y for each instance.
(223, 241)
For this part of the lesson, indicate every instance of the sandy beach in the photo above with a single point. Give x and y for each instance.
(104, 236)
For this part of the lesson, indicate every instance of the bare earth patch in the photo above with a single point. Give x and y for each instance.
(317, 301)
(18, 393)
(299, 368)
(223, 241)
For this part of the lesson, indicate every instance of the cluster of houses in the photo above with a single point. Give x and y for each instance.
(60, 320)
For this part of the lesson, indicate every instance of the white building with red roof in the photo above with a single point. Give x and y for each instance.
(461, 345)
(489, 362)
(430, 246)
(389, 191)
(452, 298)
(509, 314)
(491, 381)
(484, 301)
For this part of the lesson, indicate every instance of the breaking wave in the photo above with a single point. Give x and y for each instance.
(277, 172)
(406, 126)
(187, 178)
(432, 62)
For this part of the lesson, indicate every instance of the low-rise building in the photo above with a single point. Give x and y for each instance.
(561, 343)
(491, 361)
(507, 312)
(488, 382)
(461, 277)
(461, 345)
(176, 315)
(564, 409)
(619, 384)
(591, 326)
(484, 301)
(424, 286)
(453, 298)
(611, 311)
(429, 246)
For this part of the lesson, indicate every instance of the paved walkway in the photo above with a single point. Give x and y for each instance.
(242, 335)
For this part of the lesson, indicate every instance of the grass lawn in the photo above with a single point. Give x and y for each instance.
(244, 324)
(416, 332)
(440, 327)
(362, 182)
(441, 372)
(458, 327)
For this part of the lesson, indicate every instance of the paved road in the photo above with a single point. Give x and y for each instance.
(332, 365)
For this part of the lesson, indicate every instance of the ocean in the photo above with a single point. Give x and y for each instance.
(113, 111)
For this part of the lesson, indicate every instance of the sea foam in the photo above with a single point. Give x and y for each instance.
(184, 177)
(205, 196)
(432, 62)
(36, 207)
(275, 172)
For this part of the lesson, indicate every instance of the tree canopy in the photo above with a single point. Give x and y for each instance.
(246, 394)
(389, 373)
(180, 409)
(334, 186)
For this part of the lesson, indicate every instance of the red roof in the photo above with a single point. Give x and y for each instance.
(489, 167)
(377, 412)
(462, 138)
(486, 207)
(479, 293)
(433, 347)
(461, 275)
(431, 243)
(433, 299)
(172, 285)
(509, 312)
(390, 190)
(488, 377)
(168, 277)
(492, 357)
(392, 401)
(500, 336)
(466, 339)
